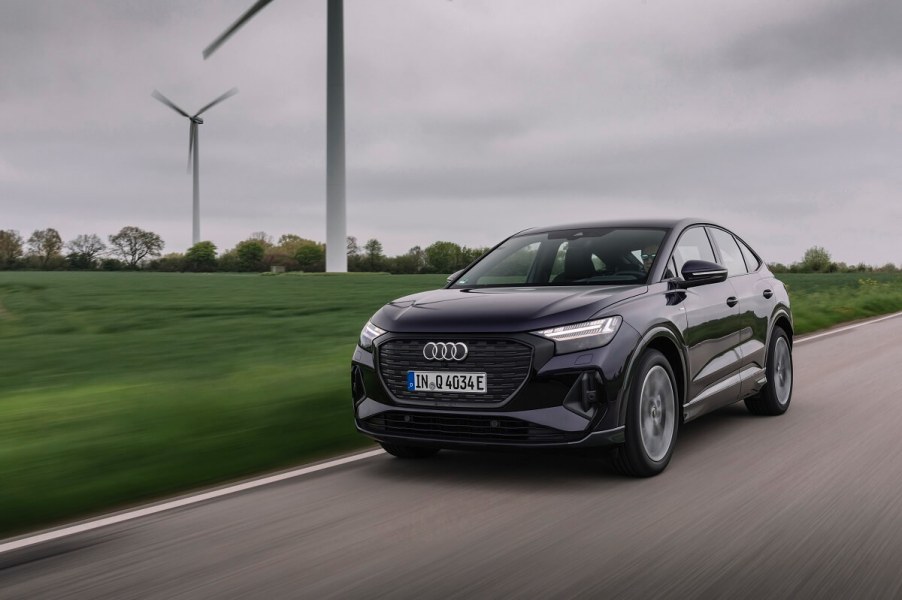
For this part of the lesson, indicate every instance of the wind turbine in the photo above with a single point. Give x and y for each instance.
(336, 219)
(192, 149)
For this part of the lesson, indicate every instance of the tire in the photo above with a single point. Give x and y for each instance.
(652, 418)
(409, 452)
(775, 396)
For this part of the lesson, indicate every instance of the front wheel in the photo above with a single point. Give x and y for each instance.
(652, 418)
(404, 451)
(774, 398)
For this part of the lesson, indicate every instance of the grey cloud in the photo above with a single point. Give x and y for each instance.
(716, 166)
(842, 35)
(466, 120)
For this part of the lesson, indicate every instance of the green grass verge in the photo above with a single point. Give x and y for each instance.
(116, 388)
(823, 300)
(120, 387)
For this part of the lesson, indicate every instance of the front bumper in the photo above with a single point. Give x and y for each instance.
(472, 430)
(566, 401)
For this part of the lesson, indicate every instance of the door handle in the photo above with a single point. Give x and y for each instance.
(732, 301)
(768, 293)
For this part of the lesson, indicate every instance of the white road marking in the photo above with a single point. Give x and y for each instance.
(56, 534)
(816, 336)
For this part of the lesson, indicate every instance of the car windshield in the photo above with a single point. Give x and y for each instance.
(595, 256)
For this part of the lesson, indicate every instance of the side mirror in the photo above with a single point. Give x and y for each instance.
(454, 276)
(702, 272)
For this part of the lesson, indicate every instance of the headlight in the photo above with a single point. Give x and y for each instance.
(582, 336)
(369, 334)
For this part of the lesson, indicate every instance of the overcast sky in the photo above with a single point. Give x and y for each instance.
(467, 120)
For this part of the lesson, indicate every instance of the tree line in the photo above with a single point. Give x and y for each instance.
(818, 260)
(133, 248)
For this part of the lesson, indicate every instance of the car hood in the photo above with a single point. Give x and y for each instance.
(497, 310)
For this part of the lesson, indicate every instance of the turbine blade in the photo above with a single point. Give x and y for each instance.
(257, 7)
(192, 134)
(228, 94)
(169, 103)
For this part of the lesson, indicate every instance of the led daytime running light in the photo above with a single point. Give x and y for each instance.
(606, 326)
(371, 331)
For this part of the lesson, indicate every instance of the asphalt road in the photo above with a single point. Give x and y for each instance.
(804, 505)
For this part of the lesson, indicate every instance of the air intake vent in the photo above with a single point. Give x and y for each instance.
(474, 428)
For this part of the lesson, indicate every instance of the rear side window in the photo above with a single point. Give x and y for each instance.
(693, 245)
(729, 252)
(751, 261)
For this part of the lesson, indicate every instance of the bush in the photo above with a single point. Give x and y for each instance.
(201, 257)
(229, 262)
(250, 255)
(816, 260)
(277, 259)
(77, 261)
(171, 263)
(778, 268)
(112, 264)
(443, 257)
(311, 257)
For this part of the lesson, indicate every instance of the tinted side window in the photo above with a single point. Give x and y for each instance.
(693, 245)
(751, 261)
(729, 252)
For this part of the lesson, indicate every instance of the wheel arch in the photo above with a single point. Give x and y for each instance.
(669, 343)
(783, 320)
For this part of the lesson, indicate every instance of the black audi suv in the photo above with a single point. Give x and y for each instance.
(591, 334)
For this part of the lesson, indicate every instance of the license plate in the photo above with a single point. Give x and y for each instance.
(433, 381)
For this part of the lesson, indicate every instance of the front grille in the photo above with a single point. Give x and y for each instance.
(506, 364)
(475, 428)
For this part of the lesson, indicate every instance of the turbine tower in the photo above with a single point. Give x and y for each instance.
(195, 120)
(336, 218)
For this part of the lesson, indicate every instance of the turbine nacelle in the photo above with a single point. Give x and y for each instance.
(197, 120)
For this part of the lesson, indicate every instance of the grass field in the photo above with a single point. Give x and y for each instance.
(120, 387)
(822, 300)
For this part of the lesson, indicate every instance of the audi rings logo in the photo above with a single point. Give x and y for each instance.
(445, 351)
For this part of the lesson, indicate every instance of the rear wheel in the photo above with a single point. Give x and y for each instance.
(774, 397)
(652, 418)
(403, 451)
